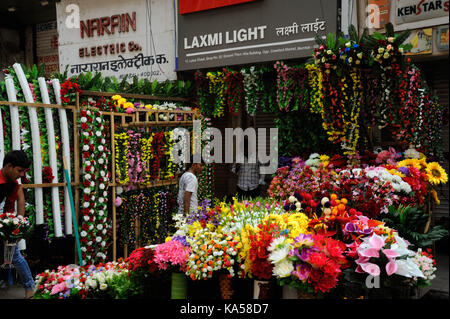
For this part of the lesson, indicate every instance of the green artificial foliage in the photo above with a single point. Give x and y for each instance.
(410, 222)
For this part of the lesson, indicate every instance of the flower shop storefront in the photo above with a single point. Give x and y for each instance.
(339, 220)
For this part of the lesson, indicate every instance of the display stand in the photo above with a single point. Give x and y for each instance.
(140, 118)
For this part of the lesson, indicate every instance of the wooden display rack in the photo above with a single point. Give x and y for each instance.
(140, 118)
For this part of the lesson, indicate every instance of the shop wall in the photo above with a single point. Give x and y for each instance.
(118, 38)
(11, 47)
(47, 46)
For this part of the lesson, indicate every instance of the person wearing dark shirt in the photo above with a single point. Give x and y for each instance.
(15, 164)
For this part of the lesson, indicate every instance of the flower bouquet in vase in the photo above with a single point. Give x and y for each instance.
(261, 268)
(12, 229)
(173, 255)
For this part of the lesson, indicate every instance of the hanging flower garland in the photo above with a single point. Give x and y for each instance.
(315, 80)
(406, 93)
(127, 220)
(163, 215)
(428, 136)
(234, 89)
(371, 95)
(253, 88)
(158, 152)
(147, 155)
(95, 225)
(284, 86)
(121, 150)
(351, 115)
(202, 88)
(136, 164)
(205, 180)
(169, 172)
(217, 88)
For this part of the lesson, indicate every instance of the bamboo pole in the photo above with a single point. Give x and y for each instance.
(113, 189)
(76, 155)
(45, 185)
(137, 96)
(36, 105)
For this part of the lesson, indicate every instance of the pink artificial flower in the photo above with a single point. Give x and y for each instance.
(118, 201)
(376, 242)
(390, 253)
(371, 269)
(391, 267)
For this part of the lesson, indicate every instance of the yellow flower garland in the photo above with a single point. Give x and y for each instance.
(315, 83)
(169, 174)
(217, 87)
(147, 155)
(121, 157)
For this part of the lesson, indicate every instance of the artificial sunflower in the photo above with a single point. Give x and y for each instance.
(436, 174)
(410, 162)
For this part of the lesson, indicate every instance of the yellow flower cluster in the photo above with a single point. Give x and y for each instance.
(122, 103)
(217, 87)
(315, 83)
(147, 154)
(169, 173)
(294, 224)
(121, 151)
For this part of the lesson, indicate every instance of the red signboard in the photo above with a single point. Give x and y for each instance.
(188, 6)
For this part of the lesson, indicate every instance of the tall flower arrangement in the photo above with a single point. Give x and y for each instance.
(95, 225)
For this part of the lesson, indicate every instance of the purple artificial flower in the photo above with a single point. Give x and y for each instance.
(302, 271)
(404, 170)
(182, 240)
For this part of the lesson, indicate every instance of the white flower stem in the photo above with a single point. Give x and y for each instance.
(36, 143)
(66, 153)
(52, 156)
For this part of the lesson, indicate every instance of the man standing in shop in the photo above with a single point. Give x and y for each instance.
(15, 164)
(187, 189)
(249, 177)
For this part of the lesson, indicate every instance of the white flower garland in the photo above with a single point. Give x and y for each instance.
(94, 185)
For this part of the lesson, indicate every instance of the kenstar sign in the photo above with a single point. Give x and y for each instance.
(189, 6)
(419, 10)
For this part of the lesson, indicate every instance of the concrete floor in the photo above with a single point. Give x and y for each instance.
(439, 288)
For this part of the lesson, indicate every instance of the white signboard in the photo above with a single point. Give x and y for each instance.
(418, 10)
(117, 38)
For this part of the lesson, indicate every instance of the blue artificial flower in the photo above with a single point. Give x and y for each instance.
(347, 49)
(285, 232)
(356, 46)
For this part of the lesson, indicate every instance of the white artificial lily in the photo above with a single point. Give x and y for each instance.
(408, 268)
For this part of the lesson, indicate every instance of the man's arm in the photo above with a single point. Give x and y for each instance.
(187, 202)
(20, 202)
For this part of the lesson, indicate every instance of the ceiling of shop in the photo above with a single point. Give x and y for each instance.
(28, 12)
